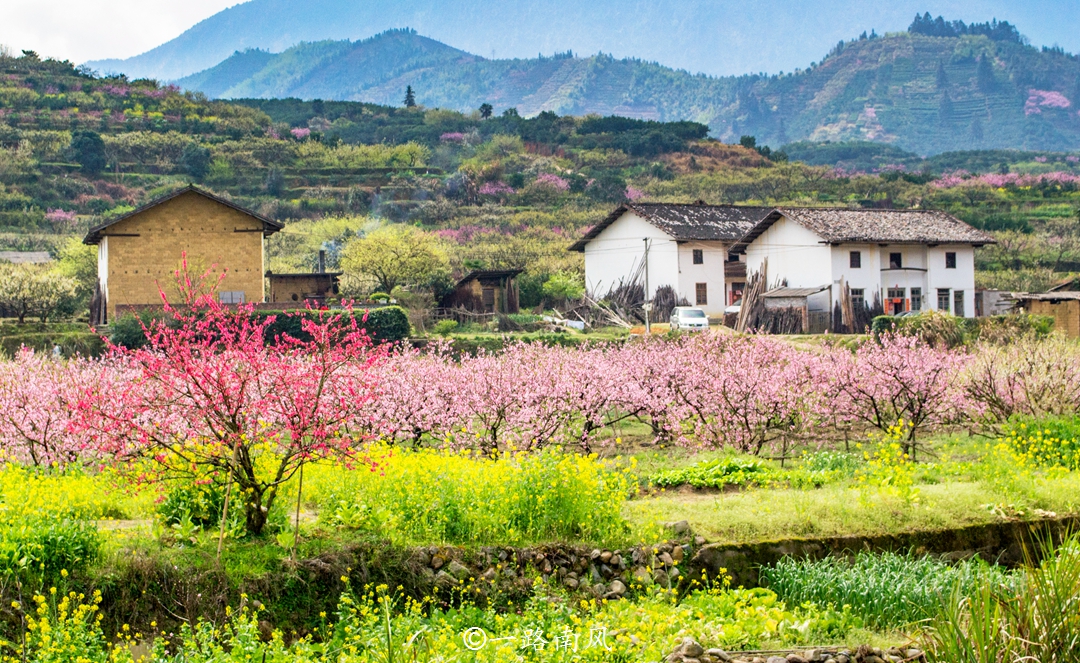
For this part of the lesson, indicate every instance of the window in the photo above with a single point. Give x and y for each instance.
(231, 297)
(699, 257)
(943, 299)
(895, 261)
(702, 292)
(916, 299)
(858, 298)
(856, 259)
(950, 260)
(958, 303)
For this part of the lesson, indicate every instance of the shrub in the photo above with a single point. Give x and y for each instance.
(385, 324)
(718, 473)
(445, 327)
(459, 498)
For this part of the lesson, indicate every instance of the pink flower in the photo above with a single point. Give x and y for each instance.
(495, 189)
(634, 194)
(552, 181)
(300, 133)
(1048, 98)
(453, 137)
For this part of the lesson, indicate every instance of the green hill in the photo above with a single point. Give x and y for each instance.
(919, 92)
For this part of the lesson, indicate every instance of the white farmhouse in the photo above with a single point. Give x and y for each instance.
(912, 260)
(687, 250)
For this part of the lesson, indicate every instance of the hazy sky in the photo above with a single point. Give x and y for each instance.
(82, 30)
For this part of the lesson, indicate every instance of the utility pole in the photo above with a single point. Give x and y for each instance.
(648, 302)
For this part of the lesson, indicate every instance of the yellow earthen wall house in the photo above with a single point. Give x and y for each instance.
(139, 253)
(1065, 311)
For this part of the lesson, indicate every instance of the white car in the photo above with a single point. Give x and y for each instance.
(689, 318)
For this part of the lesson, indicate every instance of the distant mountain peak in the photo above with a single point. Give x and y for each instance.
(923, 93)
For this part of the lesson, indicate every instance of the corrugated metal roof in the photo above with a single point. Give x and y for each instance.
(777, 293)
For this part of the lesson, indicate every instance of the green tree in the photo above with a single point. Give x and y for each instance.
(608, 187)
(78, 262)
(984, 74)
(88, 150)
(396, 255)
(941, 78)
(410, 97)
(195, 161)
(748, 142)
(562, 287)
(34, 290)
(486, 110)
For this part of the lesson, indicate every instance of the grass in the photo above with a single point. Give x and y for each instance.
(839, 510)
(886, 590)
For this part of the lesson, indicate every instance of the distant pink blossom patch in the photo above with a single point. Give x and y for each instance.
(1072, 159)
(495, 189)
(1037, 99)
(452, 137)
(999, 180)
(1041, 159)
(634, 194)
(300, 133)
(870, 112)
(553, 181)
(60, 217)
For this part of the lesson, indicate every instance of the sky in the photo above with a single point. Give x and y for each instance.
(81, 30)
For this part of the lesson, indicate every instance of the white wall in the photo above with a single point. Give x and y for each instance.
(617, 252)
(710, 272)
(961, 278)
(867, 277)
(103, 267)
(794, 253)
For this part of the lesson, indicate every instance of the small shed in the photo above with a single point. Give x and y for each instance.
(1063, 306)
(812, 303)
(486, 291)
(312, 287)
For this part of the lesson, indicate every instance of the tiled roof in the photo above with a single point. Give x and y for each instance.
(839, 225)
(686, 222)
(269, 226)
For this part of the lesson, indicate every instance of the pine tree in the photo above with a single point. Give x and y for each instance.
(984, 74)
(410, 98)
(485, 110)
(976, 130)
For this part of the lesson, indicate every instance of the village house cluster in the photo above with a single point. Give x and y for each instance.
(904, 260)
(811, 259)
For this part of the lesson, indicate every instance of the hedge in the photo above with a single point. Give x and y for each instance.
(384, 324)
(387, 324)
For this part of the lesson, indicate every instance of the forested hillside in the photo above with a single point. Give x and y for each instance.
(486, 189)
(936, 88)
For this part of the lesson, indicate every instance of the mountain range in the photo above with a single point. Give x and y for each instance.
(919, 91)
(717, 37)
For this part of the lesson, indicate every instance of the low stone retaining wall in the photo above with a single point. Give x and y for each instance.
(1004, 542)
